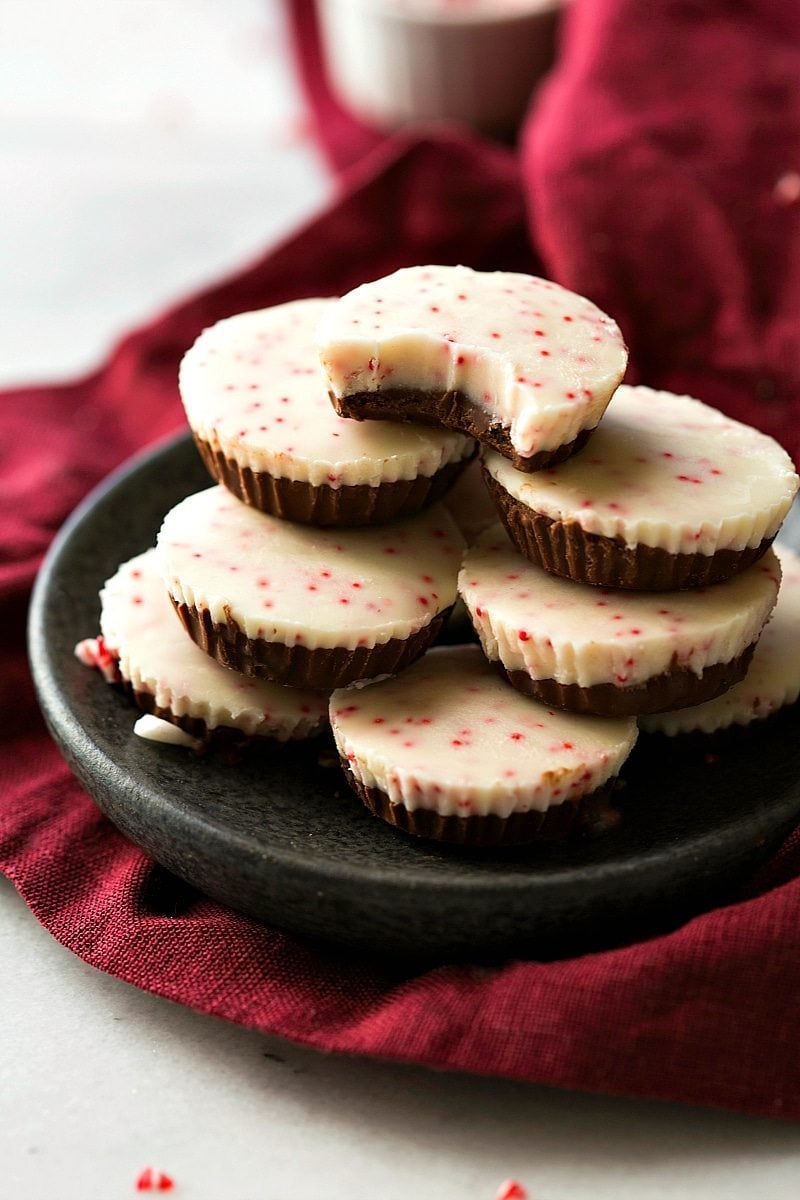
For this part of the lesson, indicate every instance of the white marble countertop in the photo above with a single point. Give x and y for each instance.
(145, 148)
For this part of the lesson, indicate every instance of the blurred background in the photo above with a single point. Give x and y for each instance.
(145, 149)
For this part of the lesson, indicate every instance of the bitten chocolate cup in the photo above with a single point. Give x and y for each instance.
(515, 361)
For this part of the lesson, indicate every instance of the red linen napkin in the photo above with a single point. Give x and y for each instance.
(703, 1015)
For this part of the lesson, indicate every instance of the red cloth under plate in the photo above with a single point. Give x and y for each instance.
(697, 258)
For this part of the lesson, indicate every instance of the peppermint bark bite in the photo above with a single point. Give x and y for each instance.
(448, 750)
(515, 361)
(172, 679)
(607, 651)
(772, 681)
(670, 494)
(308, 607)
(257, 402)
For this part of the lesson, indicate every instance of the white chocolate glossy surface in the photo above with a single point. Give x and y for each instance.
(451, 735)
(298, 585)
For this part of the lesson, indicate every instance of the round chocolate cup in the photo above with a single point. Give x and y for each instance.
(321, 669)
(349, 505)
(563, 548)
(453, 410)
(580, 814)
(678, 687)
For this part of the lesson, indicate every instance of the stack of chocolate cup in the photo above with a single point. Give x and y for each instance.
(630, 571)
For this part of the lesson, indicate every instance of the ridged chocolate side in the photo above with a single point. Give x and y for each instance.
(453, 410)
(222, 737)
(321, 669)
(349, 505)
(564, 548)
(677, 688)
(515, 830)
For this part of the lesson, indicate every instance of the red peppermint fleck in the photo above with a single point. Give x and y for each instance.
(456, 742)
(423, 601)
(567, 745)
(517, 737)
(523, 635)
(379, 720)
(154, 1181)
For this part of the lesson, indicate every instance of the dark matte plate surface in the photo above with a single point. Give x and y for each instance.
(282, 838)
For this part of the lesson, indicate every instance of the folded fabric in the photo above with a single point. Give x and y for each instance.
(662, 169)
(702, 1015)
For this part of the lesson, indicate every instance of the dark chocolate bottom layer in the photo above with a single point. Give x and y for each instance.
(321, 669)
(349, 505)
(220, 737)
(453, 410)
(677, 688)
(515, 830)
(563, 548)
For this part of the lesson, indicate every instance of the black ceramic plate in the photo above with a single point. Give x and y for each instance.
(281, 837)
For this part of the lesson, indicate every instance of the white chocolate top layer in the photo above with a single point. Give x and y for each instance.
(252, 387)
(554, 628)
(772, 680)
(298, 585)
(157, 656)
(542, 360)
(450, 734)
(667, 471)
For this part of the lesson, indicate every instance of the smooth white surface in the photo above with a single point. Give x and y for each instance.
(144, 148)
(101, 1080)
